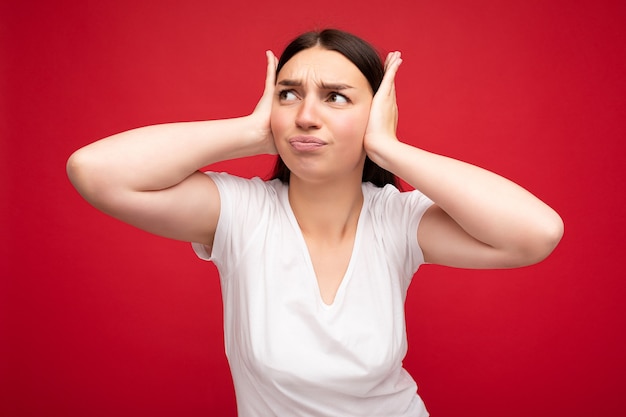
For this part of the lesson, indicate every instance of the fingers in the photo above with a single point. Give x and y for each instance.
(392, 63)
(265, 103)
(270, 77)
(270, 80)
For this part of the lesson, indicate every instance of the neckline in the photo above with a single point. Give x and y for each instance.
(339, 294)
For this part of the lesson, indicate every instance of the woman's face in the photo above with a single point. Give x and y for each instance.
(319, 115)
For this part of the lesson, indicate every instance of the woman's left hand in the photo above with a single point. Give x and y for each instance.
(383, 119)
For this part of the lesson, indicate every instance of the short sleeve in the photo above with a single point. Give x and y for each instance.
(244, 203)
(397, 216)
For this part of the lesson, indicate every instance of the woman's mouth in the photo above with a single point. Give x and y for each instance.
(306, 143)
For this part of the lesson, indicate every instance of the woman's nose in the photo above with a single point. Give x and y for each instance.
(308, 114)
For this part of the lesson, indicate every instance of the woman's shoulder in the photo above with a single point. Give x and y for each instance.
(230, 182)
(376, 194)
(389, 199)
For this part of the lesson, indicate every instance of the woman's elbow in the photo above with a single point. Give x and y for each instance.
(86, 175)
(78, 169)
(75, 168)
(542, 242)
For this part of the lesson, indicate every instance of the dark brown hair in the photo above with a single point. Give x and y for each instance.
(367, 60)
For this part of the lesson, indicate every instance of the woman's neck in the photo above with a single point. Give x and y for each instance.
(330, 210)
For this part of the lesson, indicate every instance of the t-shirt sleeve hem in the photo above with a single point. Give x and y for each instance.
(201, 251)
(424, 204)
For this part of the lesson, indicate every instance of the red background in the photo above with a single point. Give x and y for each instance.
(100, 319)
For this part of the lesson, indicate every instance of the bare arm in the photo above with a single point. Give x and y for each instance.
(148, 177)
(480, 219)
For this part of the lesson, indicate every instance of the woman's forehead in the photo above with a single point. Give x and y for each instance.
(322, 66)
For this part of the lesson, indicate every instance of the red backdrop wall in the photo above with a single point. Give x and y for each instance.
(100, 319)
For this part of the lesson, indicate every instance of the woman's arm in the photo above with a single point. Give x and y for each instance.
(480, 219)
(148, 177)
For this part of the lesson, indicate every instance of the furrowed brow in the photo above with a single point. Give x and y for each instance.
(323, 85)
(334, 86)
(290, 83)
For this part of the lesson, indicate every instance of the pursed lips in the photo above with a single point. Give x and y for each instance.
(306, 143)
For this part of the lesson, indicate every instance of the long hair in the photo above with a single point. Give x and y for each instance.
(367, 60)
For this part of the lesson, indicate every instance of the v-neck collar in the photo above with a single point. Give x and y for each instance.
(339, 294)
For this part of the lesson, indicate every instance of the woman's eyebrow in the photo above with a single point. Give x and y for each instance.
(323, 85)
(334, 86)
(290, 83)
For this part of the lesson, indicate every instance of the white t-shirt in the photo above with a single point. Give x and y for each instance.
(291, 354)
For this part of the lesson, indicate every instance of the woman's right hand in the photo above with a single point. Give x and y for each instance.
(260, 117)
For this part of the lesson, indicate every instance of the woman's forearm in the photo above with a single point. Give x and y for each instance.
(160, 156)
(487, 206)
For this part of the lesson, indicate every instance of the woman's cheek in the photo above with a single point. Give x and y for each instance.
(276, 124)
(354, 126)
(278, 128)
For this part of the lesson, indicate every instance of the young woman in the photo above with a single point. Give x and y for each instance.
(315, 263)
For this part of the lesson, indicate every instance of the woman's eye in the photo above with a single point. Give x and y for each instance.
(337, 98)
(287, 95)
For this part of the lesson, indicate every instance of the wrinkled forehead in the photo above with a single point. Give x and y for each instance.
(321, 65)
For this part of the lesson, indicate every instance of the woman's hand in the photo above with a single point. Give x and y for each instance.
(383, 119)
(260, 117)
